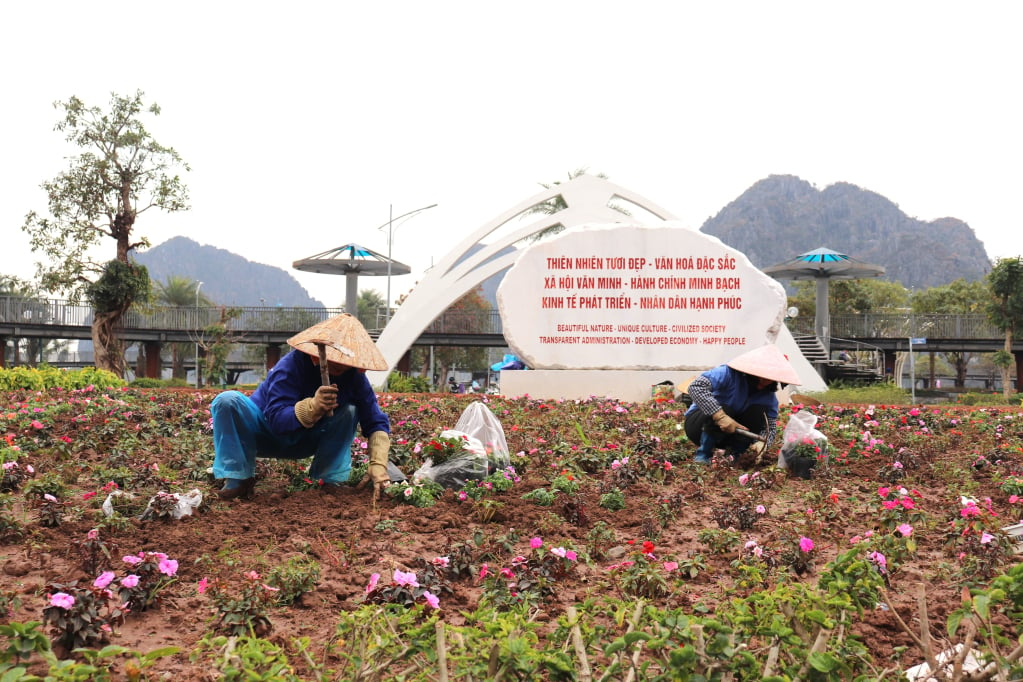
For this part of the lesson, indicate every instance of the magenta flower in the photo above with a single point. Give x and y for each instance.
(484, 571)
(168, 566)
(507, 574)
(405, 579)
(535, 543)
(201, 587)
(571, 555)
(805, 544)
(104, 579)
(879, 559)
(132, 580)
(62, 600)
(431, 600)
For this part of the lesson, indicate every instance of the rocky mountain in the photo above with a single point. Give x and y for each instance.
(782, 216)
(226, 277)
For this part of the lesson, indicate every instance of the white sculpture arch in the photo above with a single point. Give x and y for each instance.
(588, 199)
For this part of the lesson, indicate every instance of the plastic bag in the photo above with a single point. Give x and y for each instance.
(186, 502)
(484, 450)
(802, 444)
(663, 392)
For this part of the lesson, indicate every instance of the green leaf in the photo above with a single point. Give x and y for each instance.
(824, 662)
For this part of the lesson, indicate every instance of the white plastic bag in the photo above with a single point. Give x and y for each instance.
(186, 502)
(484, 450)
(799, 440)
(480, 423)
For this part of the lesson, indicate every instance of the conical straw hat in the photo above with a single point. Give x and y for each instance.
(346, 340)
(767, 362)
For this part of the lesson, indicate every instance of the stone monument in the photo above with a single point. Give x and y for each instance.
(611, 309)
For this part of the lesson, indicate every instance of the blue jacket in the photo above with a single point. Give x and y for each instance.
(295, 377)
(730, 389)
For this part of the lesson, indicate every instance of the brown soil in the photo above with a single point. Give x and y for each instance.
(352, 539)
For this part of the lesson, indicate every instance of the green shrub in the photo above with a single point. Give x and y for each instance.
(44, 377)
(401, 383)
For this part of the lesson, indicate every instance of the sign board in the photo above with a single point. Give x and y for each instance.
(629, 296)
(918, 342)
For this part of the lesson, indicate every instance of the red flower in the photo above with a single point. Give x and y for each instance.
(648, 547)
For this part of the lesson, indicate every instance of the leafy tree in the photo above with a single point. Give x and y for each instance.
(957, 298)
(1005, 310)
(120, 173)
(851, 296)
(466, 315)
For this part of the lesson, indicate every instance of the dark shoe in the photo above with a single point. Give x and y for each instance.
(246, 490)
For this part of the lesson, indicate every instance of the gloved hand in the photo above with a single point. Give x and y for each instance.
(726, 423)
(379, 447)
(757, 448)
(311, 410)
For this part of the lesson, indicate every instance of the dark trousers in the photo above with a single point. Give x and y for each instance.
(702, 430)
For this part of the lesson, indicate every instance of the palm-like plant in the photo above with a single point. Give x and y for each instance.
(557, 203)
(179, 292)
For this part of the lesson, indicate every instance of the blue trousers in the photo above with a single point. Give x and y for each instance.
(241, 433)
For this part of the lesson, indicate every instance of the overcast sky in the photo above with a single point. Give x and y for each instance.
(304, 122)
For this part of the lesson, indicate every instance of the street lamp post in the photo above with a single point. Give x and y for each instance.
(199, 284)
(390, 238)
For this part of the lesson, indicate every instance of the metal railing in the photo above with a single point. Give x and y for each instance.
(58, 313)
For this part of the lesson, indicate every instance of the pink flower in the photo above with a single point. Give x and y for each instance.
(132, 560)
(558, 551)
(670, 566)
(441, 561)
(132, 580)
(805, 544)
(62, 600)
(883, 492)
(104, 579)
(49, 498)
(571, 555)
(905, 529)
(93, 534)
(431, 600)
(251, 575)
(744, 479)
(373, 580)
(405, 579)
(89, 495)
(879, 559)
(986, 537)
(168, 566)
(507, 574)
(535, 543)
(761, 509)
(36, 424)
(462, 496)
(201, 587)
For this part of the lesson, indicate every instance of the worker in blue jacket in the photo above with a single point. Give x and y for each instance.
(740, 395)
(293, 415)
